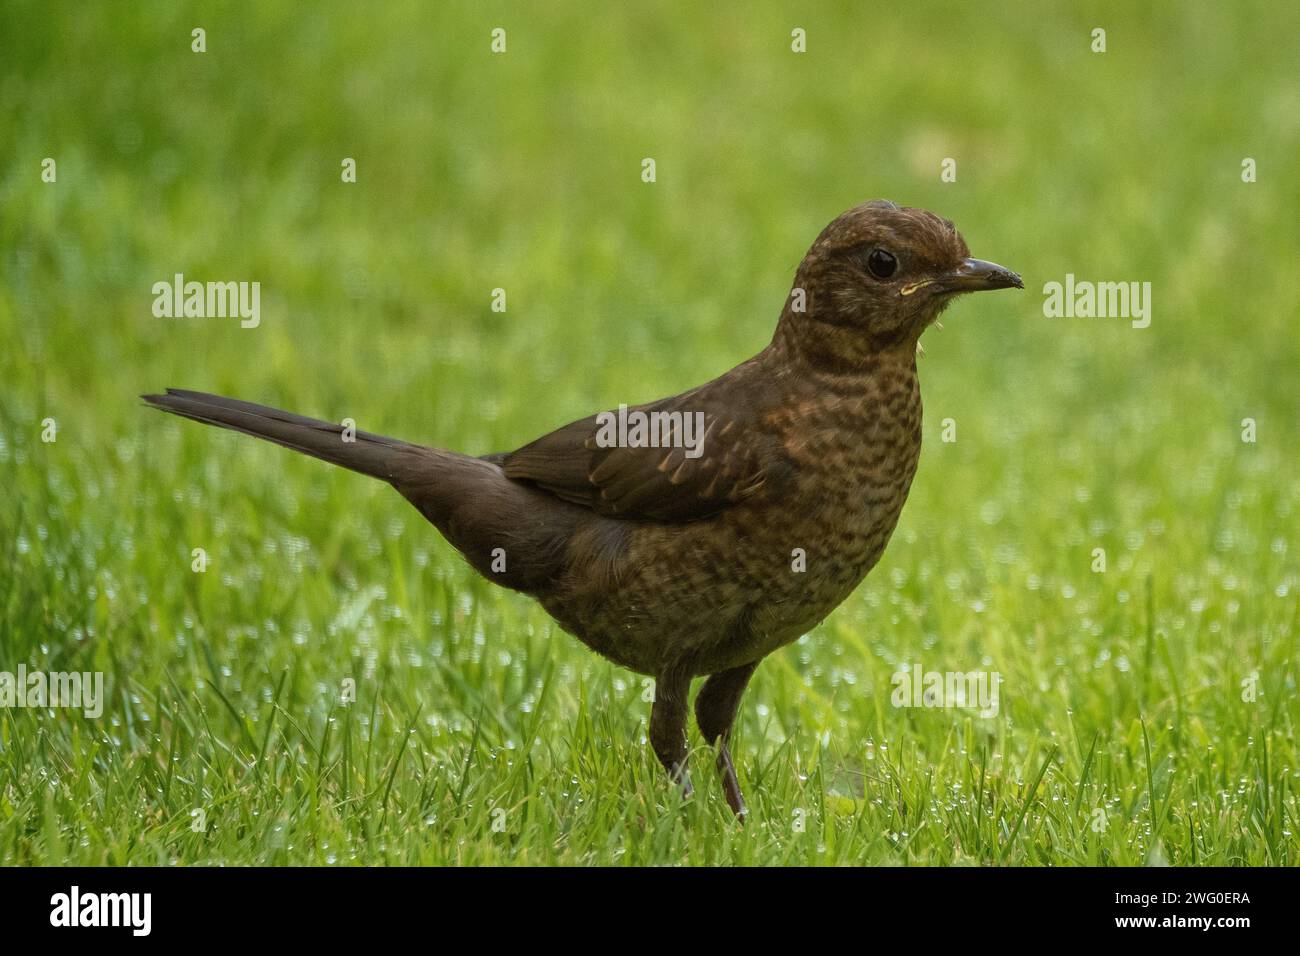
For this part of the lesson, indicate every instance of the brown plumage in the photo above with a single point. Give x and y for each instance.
(678, 566)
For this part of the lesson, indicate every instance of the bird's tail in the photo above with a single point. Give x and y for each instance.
(485, 515)
(364, 452)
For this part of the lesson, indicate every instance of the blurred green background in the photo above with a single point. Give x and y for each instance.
(1121, 690)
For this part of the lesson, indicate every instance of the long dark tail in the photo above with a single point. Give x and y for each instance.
(369, 454)
(484, 514)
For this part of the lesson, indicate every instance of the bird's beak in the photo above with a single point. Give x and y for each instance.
(976, 275)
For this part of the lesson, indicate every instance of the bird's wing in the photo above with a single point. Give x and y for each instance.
(584, 463)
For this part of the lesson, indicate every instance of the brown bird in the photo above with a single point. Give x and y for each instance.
(693, 536)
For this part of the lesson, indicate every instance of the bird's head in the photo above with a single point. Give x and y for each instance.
(877, 277)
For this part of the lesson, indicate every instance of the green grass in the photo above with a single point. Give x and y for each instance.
(1121, 690)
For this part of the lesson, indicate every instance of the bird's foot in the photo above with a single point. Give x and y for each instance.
(730, 785)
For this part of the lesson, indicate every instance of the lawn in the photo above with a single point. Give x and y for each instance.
(1147, 711)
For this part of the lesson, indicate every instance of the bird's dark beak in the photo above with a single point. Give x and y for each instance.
(976, 275)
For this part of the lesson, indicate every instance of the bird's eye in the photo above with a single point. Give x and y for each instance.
(881, 264)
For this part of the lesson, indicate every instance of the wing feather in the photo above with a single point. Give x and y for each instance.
(737, 459)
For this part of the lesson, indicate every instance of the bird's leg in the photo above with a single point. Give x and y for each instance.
(668, 726)
(715, 712)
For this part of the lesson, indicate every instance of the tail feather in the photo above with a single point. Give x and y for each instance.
(367, 453)
(483, 513)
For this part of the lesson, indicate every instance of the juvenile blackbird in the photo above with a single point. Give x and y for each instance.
(698, 560)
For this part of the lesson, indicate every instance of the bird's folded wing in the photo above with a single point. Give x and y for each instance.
(698, 469)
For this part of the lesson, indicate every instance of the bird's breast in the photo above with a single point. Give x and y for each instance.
(732, 588)
(855, 458)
